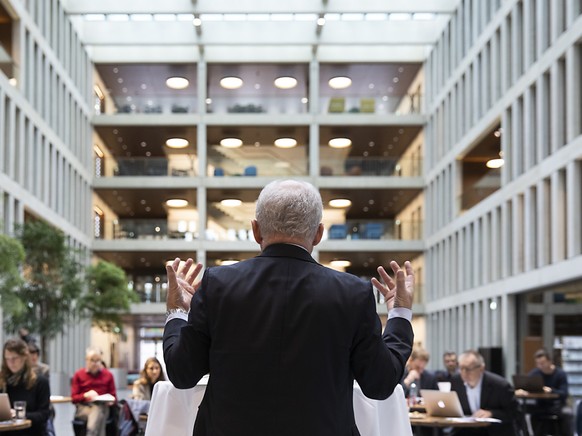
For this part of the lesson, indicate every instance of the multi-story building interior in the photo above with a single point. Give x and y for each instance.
(444, 132)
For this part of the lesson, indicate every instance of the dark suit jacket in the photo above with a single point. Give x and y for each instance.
(497, 396)
(283, 339)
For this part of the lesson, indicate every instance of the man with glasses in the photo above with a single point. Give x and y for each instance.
(484, 394)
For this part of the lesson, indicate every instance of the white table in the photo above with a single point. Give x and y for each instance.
(173, 411)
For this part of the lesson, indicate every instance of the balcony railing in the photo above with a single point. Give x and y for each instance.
(371, 166)
(377, 229)
(175, 166)
(157, 229)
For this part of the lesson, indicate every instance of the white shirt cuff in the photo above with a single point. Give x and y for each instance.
(400, 312)
(179, 315)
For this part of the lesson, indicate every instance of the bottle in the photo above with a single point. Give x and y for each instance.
(412, 394)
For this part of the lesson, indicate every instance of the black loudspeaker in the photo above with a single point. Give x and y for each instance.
(493, 359)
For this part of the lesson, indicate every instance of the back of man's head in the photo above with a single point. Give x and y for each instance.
(290, 209)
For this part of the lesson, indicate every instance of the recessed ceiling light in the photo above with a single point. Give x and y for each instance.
(231, 82)
(231, 142)
(177, 82)
(340, 263)
(340, 202)
(177, 142)
(176, 202)
(231, 202)
(285, 82)
(340, 142)
(285, 142)
(495, 163)
(339, 82)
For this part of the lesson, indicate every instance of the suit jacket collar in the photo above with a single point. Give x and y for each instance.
(287, 250)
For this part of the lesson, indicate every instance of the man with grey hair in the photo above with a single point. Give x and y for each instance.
(484, 394)
(283, 337)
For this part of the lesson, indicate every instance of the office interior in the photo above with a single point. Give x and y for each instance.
(448, 134)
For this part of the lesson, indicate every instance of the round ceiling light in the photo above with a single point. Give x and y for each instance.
(176, 202)
(340, 263)
(231, 142)
(495, 163)
(231, 202)
(177, 82)
(339, 82)
(177, 143)
(231, 82)
(340, 142)
(285, 142)
(285, 82)
(340, 202)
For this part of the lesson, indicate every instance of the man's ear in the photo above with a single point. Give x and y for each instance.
(318, 235)
(256, 231)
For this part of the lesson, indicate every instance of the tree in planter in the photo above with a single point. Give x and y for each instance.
(50, 293)
(108, 296)
(51, 284)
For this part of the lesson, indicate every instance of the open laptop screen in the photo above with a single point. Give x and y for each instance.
(439, 403)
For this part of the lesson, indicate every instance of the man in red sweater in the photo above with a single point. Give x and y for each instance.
(88, 384)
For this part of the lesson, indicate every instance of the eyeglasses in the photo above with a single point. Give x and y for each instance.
(13, 359)
(469, 368)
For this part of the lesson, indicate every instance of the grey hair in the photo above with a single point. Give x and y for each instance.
(475, 354)
(291, 208)
(93, 351)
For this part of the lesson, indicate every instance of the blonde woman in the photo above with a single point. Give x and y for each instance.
(149, 376)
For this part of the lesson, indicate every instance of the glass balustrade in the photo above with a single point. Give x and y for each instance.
(174, 166)
(156, 229)
(371, 166)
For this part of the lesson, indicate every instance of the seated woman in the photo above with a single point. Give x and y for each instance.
(149, 376)
(19, 380)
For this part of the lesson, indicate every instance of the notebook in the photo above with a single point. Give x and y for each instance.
(5, 413)
(530, 383)
(440, 403)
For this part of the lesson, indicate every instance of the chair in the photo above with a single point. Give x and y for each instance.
(80, 425)
(367, 105)
(218, 172)
(251, 170)
(338, 231)
(337, 105)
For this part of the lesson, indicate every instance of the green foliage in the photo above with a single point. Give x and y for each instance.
(11, 257)
(45, 299)
(108, 296)
(42, 284)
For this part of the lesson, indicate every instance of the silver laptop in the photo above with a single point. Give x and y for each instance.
(5, 413)
(439, 403)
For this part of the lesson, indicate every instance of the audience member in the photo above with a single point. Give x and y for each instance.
(555, 381)
(451, 367)
(148, 377)
(484, 394)
(42, 369)
(21, 383)
(416, 373)
(38, 366)
(87, 384)
(282, 336)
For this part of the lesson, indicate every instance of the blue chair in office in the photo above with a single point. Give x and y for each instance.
(218, 172)
(373, 231)
(251, 170)
(338, 231)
